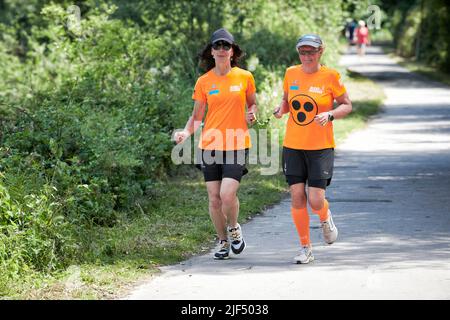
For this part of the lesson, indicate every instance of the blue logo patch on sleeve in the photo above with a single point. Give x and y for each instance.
(293, 87)
(213, 92)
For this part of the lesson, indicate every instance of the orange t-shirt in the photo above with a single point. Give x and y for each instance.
(309, 95)
(225, 127)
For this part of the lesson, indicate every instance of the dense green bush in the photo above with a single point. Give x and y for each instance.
(95, 119)
(33, 233)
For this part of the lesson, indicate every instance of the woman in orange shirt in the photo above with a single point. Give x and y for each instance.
(310, 90)
(229, 93)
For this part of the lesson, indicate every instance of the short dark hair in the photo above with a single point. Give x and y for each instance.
(207, 61)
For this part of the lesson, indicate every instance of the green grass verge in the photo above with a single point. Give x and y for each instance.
(173, 224)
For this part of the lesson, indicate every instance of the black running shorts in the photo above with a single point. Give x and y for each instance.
(314, 166)
(217, 164)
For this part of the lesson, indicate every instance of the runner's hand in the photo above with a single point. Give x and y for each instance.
(321, 118)
(250, 117)
(277, 113)
(180, 136)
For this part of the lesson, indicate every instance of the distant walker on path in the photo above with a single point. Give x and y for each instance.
(362, 38)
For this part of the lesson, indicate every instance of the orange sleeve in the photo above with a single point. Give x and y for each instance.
(199, 93)
(251, 88)
(337, 87)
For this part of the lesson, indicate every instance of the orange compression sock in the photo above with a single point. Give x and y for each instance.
(301, 220)
(323, 213)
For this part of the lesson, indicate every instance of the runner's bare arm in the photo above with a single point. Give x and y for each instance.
(193, 123)
(251, 108)
(283, 107)
(344, 107)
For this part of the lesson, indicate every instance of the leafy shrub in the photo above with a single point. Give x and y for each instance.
(33, 234)
(104, 130)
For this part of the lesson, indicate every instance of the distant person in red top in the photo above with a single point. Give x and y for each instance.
(362, 37)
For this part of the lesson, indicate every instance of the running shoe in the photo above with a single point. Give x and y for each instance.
(224, 250)
(330, 232)
(305, 256)
(236, 239)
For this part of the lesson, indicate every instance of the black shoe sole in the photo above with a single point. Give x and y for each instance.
(310, 261)
(221, 258)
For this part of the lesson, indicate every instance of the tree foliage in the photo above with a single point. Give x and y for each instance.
(420, 30)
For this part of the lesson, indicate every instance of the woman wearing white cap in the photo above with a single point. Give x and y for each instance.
(229, 93)
(310, 90)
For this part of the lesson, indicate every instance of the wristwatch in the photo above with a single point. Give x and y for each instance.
(330, 116)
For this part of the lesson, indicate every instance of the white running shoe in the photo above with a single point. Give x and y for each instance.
(305, 255)
(330, 232)
(236, 239)
(223, 252)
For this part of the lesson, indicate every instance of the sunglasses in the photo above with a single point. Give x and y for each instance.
(307, 52)
(221, 44)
